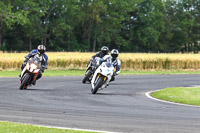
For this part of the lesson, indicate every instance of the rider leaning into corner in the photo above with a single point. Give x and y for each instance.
(104, 51)
(41, 52)
(115, 61)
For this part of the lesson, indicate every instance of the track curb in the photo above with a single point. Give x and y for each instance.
(148, 94)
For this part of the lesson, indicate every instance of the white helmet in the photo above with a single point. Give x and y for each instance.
(41, 49)
(114, 53)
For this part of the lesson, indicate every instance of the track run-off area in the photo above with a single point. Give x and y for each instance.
(121, 107)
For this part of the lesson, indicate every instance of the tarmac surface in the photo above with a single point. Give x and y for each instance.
(121, 107)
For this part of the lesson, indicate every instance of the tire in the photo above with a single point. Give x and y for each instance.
(87, 76)
(24, 81)
(97, 85)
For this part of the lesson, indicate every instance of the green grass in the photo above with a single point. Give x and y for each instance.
(15, 73)
(157, 72)
(11, 127)
(180, 95)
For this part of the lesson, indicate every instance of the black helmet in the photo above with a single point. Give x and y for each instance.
(104, 50)
(114, 53)
(41, 49)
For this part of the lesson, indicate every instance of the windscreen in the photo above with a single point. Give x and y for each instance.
(108, 64)
(36, 60)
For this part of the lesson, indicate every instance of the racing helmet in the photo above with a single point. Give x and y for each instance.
(114, 53)
(104, 50)
(41, 49)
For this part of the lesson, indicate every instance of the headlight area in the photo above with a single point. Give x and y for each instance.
(33, 66)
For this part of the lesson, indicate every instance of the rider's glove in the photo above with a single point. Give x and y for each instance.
(100, 61)
(22, 66)
(26, 60)
(91, 60)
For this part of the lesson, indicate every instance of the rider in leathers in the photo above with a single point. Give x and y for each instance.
(41, 52)
(102, 53)
(116, 63)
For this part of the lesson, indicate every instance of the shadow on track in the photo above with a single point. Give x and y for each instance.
(120, 84)
(113, 94)
(36, 90)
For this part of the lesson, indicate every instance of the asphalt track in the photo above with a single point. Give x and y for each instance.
(122, 107)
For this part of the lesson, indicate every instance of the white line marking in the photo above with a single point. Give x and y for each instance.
(89, 130)
(149, 96)
(66, 128)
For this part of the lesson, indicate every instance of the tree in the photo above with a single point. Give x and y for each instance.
(148, 25)
(10, 15)
(178, 26)
(87, 25)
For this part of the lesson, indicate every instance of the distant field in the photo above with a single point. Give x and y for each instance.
(130, 61)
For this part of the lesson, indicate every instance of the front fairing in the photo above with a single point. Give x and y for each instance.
(106, 71)
(33, 66)
(103, 70)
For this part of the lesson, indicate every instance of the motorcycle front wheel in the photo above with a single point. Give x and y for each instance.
(98, 85)
(24, 81)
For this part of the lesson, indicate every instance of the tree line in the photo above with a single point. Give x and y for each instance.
(87, 25)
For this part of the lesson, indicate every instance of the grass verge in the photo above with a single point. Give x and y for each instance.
(183, 95)
(11, 127)
(15, 73)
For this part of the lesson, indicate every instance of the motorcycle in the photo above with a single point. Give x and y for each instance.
(30, 72)
(102, 76)
(90, 70)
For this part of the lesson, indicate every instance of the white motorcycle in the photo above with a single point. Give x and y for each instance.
(102, 76)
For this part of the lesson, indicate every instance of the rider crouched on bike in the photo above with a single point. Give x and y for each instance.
(94, 64)
(104, 51)
(41, 52)
(116, 63)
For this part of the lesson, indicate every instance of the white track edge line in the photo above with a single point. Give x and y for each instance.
(78, 129)
(149, 96)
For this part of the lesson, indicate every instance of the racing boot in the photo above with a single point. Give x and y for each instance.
(113, 78)
(34, 82)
